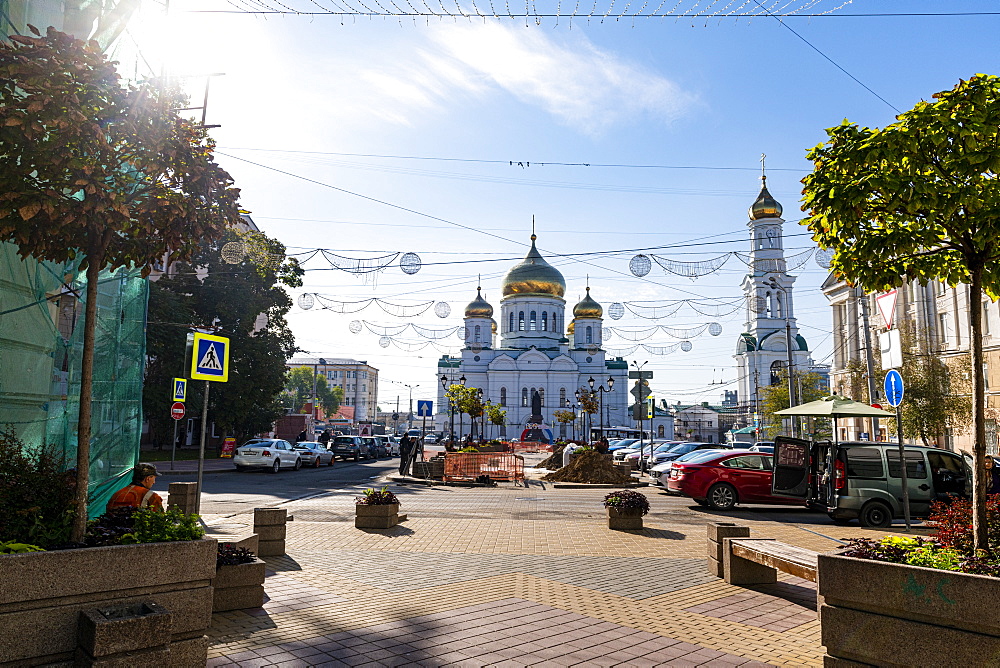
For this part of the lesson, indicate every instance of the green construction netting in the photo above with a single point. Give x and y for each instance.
(41, 346)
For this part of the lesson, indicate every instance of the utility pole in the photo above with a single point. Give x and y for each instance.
(869, 361)
(791, 379)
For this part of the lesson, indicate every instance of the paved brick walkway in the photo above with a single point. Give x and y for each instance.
(515, 577)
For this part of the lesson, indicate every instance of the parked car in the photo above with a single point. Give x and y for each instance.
(621, 443)
(374, 448)
(314, 453)
(763, 446)
(661, 472)
(392, 442)
(726, 479)
(272, 454)
(680, 449)
(349, 447)
(863, 480)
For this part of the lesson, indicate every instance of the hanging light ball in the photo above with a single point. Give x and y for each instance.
(714, 329)
(476, 348)
(640, 265)
(306, 301)
(355, 326)
(233, 252)
(686, 346)
(384, 341)
(592, 349)
(410, 263)
(758, 304)
(823, 257)
(442, 309)
(606, 333)
(616, 311)
(462, 333)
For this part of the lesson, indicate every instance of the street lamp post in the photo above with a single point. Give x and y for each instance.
(639, 399)
(482, 415)
(320, 361)
(601, 389)
(409, 412)
(451, 406)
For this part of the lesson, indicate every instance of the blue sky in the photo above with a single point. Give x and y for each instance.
(707, 98)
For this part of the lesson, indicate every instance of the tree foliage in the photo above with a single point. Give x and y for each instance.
(809, 386)
(564, 416)
(465, 399)
(299, 391)
(589, 401)
(919, 199)
(245, 302)
(495, 413)
(102, 174)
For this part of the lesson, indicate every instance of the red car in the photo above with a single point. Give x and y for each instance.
(722, 481)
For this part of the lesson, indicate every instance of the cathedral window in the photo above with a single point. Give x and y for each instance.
(776, 368)
(590, 334)
(533, 324)
(769, 301)
(562, 396)
(511, 327)
(520, 321)
(478, 333)
(541, 396)
(503, 396)
(545, 321)
(779, 300)
(524, 397)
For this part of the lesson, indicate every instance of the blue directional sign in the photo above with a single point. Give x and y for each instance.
(425, 408)
(893, 388)
(180, 389)
(210, 358)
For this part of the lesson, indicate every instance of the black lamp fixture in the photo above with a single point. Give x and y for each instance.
(462, 380)
(444, 381)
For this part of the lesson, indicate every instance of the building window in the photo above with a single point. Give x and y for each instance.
(520, 321)
(562, 396)
(942, 288)
(511, 327)
(943, 328)
(524, 397)
(776, 368)
(545, 321)
(659, 431)
(986, 317)
(533, 324)
(986, 376)
(503, 396)
(590, 334)
(541, 396)
(478, 333)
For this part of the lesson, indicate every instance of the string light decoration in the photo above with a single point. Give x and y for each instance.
(233, 252)
(616, 311)
(384, 341)
(355, 326)
(592, 349)
(824, 256)
(640, 334)
(640, 265)
(694, 269)
(686, 346)
(306, 301)
(397, 309)
(442, 309)
(607, 333)
(410, 263)
(714, 329)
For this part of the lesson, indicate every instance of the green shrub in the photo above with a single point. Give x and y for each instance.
(374, 497)
(11, 547)
(153, 526)
(230, 555)
(36, 493)
(627, 500)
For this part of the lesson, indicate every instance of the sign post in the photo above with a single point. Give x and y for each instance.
(893, 387)
(180, 394)
(424, 408)
(210, 363)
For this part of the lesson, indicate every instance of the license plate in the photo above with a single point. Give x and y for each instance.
(251, 453)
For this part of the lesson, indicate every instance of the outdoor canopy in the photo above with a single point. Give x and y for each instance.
(835, 406)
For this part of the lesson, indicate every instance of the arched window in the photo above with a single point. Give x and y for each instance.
(769, 301)
(562, 396)
(776, 368)
(511, 327)
(541, 395)
(659, 431)
(503, 396)
(533, 324)
(781, 305)
(590, 334)
(478, 333)
(524, 396)
(520, 321)
(545, 321)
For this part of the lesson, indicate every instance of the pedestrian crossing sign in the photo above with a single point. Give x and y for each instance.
(210, 358)
(180, 389)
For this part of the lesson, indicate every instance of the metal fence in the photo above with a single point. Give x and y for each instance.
(500, 466)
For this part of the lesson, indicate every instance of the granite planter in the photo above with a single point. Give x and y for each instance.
(238, 586)
(376, 517)
(874, 613)
(628, 519)
(46, 595)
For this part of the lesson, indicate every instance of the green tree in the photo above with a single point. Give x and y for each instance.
(245, 302)
(102, 174)
(919, 200)
(809, 386)
(495, 414)
(299, 391)
(466, 400)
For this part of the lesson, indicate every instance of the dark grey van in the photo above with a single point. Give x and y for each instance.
(863, 480)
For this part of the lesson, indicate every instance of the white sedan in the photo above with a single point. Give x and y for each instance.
(314, 454)
(272, 454)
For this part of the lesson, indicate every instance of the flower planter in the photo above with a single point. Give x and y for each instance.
(44, 593)
(238, 587)
(376, 517)
(628, 519)
(883, 614)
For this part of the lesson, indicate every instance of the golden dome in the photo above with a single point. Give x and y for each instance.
(479, 307)
(534, 276)
(570, 328)
(588, 308)
(493, 326)
(765, 206)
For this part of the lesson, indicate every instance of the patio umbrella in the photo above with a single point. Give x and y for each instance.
(835, 406)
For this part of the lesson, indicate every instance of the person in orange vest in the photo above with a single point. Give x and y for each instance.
(140, 493)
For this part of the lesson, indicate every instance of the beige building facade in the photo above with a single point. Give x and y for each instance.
(358, 380)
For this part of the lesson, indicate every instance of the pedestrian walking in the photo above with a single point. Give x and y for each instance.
(405, 448)
(325, 437)
(139, 494)
(302, 436)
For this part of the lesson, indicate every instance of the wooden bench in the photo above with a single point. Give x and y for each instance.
(742, 560)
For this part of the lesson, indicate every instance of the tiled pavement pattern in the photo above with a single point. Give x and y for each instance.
(472, 569)
(284, 592)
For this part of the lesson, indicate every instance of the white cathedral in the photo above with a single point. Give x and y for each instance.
(534, 354)
(762, 350)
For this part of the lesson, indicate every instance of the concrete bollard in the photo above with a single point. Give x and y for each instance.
(717, 533)
(269, 525)
(184, 495)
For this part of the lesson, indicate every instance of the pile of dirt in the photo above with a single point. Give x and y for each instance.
(591, 467)
(554, 461)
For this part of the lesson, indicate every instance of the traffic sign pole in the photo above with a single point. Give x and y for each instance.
(894, 389)
(173, 446)
(201, 446)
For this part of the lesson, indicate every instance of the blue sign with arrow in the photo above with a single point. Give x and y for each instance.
(893, 388)
(425, 408)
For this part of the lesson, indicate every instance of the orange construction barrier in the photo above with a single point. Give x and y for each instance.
(530, 446)
(471, 465)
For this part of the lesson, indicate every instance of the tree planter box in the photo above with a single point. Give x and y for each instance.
(627, 520)
(376, 517)
(881, 614)
(44, 593)
(238, 587)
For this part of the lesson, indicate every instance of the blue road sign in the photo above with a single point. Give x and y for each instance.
(425, 408)
(893, 388)
(180, 389)
(210, 358)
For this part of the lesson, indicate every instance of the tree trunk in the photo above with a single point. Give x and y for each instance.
(980, 474)
(94, 259)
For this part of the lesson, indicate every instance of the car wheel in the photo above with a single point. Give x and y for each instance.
(298, 464)
(276, 466)
(721, 497)
(356, 457)
(876, 515)
(316, 462)
(330, 463)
